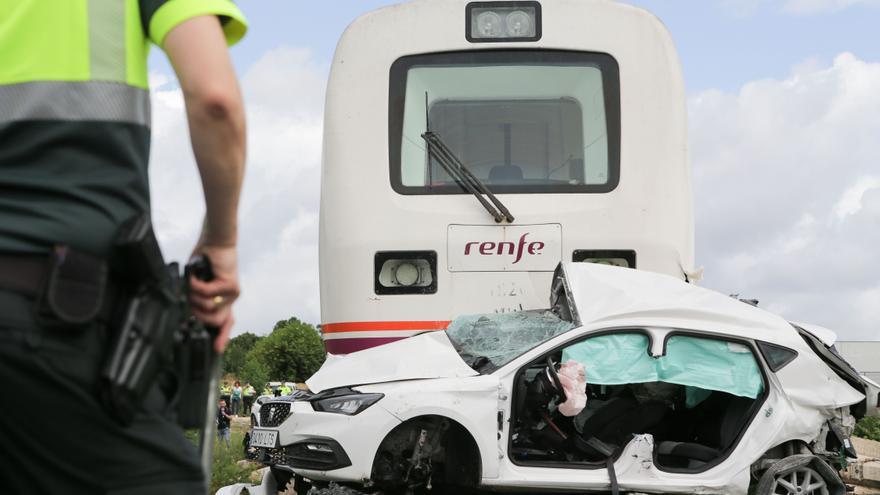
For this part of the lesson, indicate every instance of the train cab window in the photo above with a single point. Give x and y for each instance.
(522, 121)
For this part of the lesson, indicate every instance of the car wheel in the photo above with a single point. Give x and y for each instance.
(802, 481)
(799, 474)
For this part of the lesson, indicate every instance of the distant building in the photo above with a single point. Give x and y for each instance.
(863, 356)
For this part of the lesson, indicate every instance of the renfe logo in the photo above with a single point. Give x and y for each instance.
(503, 248)
(507, 248)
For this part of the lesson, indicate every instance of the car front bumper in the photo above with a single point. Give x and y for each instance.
(329, 446)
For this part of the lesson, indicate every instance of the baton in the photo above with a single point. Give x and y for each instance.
(200, 268)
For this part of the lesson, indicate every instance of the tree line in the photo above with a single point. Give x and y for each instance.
(292, 352)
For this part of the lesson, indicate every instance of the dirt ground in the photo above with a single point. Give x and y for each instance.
(864, 490)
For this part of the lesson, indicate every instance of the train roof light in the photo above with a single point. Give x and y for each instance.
(488, 24)
(503, 21)
(519, 24)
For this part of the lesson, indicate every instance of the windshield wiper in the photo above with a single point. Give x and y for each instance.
(455, 168)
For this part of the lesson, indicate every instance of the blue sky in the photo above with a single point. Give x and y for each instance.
(722, 43)
(783, 100)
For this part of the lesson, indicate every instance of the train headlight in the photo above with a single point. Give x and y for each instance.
(405, 272)
(408, 274)
(616, 257)
(503, 21)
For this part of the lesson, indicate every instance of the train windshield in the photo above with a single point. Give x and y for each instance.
(521, 121)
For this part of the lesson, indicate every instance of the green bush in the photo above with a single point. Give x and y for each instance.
(868, 427)
(292, 352)
(254, 372)
(234, 358)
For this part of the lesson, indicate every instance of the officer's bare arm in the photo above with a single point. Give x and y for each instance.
(214, 107)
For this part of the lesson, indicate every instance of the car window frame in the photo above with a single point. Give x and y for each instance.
(516, 367)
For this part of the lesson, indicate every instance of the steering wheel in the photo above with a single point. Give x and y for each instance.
(551, 370)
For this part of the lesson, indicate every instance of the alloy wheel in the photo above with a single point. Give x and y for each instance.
(802, 481)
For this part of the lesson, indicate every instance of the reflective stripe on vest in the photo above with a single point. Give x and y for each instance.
(75, 101)
(107, 40)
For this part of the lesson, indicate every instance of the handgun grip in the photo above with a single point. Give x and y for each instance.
(199, 267)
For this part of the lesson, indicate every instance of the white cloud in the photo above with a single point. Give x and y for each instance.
(850, 202)
(787, 186)
(284, 94)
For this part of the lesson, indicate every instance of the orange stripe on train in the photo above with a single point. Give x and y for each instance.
(378, 326)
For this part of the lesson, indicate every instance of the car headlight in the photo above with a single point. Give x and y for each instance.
(346, 404)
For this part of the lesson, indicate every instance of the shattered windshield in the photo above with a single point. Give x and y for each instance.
(488, 342)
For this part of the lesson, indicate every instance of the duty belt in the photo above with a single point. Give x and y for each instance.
(69, 287)
(23, 274)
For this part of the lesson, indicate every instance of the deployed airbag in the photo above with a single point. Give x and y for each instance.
(573, 379)
(709, 364)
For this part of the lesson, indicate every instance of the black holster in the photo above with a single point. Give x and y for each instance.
(152, 331)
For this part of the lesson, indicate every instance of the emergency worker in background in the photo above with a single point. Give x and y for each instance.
(235, 403)
(225, 392)
(249, 395)
(74, 146)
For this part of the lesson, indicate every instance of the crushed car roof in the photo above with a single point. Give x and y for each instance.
(607, 295)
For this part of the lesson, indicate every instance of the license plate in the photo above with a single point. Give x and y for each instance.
(264, 438)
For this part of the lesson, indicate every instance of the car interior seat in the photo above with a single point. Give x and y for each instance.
(714, 427)
(616, 421)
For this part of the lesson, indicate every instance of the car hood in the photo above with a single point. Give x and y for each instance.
(428, 355)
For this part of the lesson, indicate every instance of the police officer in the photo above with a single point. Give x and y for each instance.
(249, 393)
(74, 145)
(225, 392)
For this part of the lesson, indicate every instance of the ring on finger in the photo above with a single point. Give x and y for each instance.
(218, 300)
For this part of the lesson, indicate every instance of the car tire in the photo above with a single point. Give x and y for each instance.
(801, 474)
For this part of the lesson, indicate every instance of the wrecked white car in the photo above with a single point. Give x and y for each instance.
(630, 382)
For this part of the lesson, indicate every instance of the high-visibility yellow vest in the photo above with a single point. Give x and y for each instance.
(75, 114)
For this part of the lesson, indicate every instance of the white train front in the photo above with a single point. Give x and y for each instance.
(571, 112)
